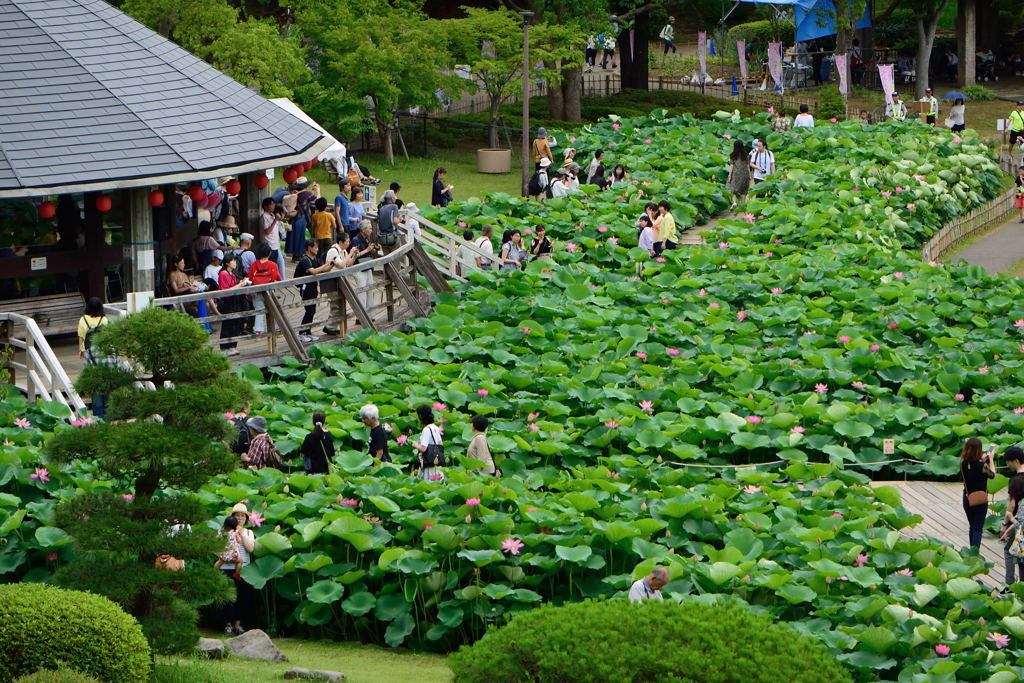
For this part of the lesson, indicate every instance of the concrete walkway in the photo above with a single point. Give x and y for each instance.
(997, 251)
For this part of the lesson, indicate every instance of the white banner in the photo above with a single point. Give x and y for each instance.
(775, 63)
(741, 51)
(888, 83)
(702, 52)
(840, 61)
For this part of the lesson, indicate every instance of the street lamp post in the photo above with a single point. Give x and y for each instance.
(526, 99)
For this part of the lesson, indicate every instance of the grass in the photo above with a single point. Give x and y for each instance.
(359, 663)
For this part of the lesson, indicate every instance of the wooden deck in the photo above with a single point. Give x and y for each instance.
(941, 506)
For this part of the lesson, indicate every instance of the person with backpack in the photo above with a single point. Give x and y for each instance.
(484, 244)
(88, 324)
(430, 447)
(538, 187)
(262, 451)
(667, 33)
(243, 438)
(317, 447)
(387, 223)
(309, 264)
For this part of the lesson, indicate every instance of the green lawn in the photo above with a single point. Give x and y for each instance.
(416, 174)
(359, 663)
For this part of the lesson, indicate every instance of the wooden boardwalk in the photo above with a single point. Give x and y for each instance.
(941, 506)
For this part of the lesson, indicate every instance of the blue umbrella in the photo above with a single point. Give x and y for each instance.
(955, 96)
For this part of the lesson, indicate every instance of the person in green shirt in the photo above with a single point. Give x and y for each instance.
(665, 225)
(1017, 123)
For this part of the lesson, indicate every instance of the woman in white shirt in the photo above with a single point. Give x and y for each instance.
(647, 235)
(956, 116)
(429, 463)
(803, 119)
(762, 161)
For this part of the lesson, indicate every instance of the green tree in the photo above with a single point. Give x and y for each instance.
(386, 55)
(491, 43)
(157, 445)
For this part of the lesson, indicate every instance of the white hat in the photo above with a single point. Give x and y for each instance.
(218, 254)
(545, 162)
(411, 206)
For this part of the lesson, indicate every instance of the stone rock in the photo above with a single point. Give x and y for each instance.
(211, 648)
(255, 644)
(315, 675)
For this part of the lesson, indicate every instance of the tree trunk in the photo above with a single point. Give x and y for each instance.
(572, 94)
(492, 133)
(384, 131)
(633, 54)
(556, 102)
(926, 27)
(966, 41)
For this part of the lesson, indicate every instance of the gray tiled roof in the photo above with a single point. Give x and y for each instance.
(92, 98)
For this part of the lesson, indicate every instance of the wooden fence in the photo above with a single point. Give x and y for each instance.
(963, 228)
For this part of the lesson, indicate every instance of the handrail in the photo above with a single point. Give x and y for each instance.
(44, 374)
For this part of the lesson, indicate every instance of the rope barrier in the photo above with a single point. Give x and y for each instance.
(776, 462)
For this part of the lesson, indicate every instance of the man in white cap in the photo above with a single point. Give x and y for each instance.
(538, 185)
(542, 148)
(212, 271)
(412, 226)
(932, 115)
(246, 255)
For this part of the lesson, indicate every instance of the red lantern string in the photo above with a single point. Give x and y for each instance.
(260, 181)
(47, 210)
(103, 203)
(156, 198)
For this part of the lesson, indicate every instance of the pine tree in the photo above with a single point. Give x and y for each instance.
(157, 445)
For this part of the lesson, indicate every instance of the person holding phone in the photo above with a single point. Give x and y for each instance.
(976, 468)
(441, 194)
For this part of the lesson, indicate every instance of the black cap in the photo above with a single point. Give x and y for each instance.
(1020, 104)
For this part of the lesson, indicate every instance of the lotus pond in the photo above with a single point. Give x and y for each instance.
(803, 334)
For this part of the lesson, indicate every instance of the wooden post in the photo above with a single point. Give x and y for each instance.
(250, 199)
(389, 298)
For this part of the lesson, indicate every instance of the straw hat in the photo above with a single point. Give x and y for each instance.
(240, 507)
(228, 222)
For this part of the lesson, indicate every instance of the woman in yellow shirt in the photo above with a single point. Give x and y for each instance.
(665, 225)
(324, 225)
(92, 320)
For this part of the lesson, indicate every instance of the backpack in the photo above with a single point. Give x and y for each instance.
(242, 438)
(91, 357)
(434, 455)
(534, 187)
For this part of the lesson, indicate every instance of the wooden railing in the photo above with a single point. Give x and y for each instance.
(963, 228)
(380, 294)
(443, 246)
(44, 376)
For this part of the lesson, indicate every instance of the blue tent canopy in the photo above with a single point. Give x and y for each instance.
(814, 18)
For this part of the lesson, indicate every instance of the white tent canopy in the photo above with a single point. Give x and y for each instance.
(336, 152)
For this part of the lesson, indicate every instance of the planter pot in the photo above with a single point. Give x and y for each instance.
(493, 160)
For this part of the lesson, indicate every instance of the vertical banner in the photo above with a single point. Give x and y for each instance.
(741, 51)
(775, 63)
(888, 83)
(711, 47)
(702, 53)
(840, 61)
(632, 37)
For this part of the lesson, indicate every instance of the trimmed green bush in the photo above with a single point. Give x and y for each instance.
(830, 104)
(43, 627)
(978, 93)
(619, 642)
(58, 676)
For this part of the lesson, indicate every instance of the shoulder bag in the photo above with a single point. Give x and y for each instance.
(434, 455)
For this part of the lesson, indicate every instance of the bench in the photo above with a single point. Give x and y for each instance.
(54, 313)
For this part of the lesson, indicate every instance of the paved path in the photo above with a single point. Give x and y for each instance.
(941, 505)
(997, 251)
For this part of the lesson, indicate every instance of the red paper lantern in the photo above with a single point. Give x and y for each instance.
(196, 193)
(260, 181)
(308, 165)
(47, 210)
(103, 203)
(156, 198)
(290, 175)
(299, 168)
(316, 160)
(211, 200)
(233, 187)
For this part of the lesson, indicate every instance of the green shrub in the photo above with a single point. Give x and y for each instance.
(763, 32)
(43, 627)
(619, 642)
(58, 676)
(978, 93)
(830, 104)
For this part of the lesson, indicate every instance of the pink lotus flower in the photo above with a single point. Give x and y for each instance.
(778, 241)
(893, 326)
(898, 189)
(613, 240)
(255, 518)
(602, 228)
(482, 392)
(41, 474)
(611, 144)
(528, 231)
(439, 406)
(22, 422)
(875, 347)
(861, 560)
(512, 546)
(741, 315)
(128, 496)
(427, 526)
(616, 126)
(776, 290)
(771, 110)
(906, 571)
(753, 419)
(715, 304)
(820, 388)
(229, 416)
(572, 139)
(857, 385)
(82, 421)
(436, 477)
(856, 188)
(533, 416)
(837, 514)
(723, 245)
(349, 503)
(769, 254)
(402, 439)
(641, 355)
(797, 430)
(942, 650)
(727, 136)
(751, 489)
(959, 397)
(833, 120)
(918, 176)
(531, 508)
(749, 217)
(704, 292)
(911, 206)
(527, 330)
(983, 369)
(886, 193)
(844, 339)
(1001, 640)
(1019, 323)
(611, 424)
(648, 141)
(660, 259)
(647, 406)
(956, 139)
(572, 247)
(534, 427)
(473, 502)
(672, 352)
(1019, 410)
(462, 224)
(51, 557)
